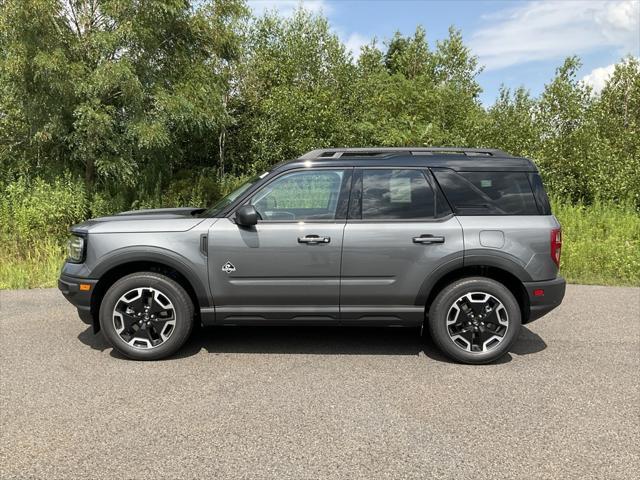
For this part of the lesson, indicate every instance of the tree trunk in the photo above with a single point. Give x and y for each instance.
(90, 175)
(221, 140)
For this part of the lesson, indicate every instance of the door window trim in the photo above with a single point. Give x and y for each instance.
(342, 206)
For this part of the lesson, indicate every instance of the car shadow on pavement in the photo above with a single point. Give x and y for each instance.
(308, 340)
(528, 342)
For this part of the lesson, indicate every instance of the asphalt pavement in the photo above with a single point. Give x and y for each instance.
(321, 403)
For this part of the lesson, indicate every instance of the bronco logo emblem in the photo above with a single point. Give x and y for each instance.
(228, 267)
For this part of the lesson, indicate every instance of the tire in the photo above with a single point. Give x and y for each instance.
(463, 328)
(142, 324)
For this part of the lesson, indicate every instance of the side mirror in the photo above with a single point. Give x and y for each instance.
(247, 216)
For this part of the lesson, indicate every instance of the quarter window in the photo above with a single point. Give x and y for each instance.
(488, 193)
(396, 194)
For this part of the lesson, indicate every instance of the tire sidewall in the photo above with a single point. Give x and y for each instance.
(172, 290)
(443, 302)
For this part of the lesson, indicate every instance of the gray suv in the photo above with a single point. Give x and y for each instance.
(459, 240)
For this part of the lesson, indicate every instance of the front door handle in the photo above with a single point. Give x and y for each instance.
(428, 239)
(313, 239)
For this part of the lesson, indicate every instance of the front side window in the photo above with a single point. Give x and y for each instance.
(396, 194)
(301, 196)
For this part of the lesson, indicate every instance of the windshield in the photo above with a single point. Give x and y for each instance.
(229, 198)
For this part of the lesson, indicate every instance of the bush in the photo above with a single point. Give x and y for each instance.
(32, 211)
(601, 243)
(30, 267)
(189, 189)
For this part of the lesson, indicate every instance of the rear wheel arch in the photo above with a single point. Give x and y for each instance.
(505, 277)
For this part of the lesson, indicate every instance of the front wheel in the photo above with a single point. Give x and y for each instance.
(146, 316)
(474, 320)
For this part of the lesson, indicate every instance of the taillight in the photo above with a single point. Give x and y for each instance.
(556, 245)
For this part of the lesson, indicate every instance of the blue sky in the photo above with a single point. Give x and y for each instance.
(518, 42)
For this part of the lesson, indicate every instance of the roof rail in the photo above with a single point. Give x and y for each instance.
(340, 152)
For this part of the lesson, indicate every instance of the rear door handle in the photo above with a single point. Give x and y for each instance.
(313, 239)
(428, 239)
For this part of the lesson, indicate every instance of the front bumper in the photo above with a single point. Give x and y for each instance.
(81, 299)
(544, 296)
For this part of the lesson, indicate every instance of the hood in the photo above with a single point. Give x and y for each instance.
(149, 220)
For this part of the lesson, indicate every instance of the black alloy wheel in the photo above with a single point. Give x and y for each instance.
(474, 320)
(146, 316)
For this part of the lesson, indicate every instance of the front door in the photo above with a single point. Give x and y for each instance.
(400, 231)
(287, 267)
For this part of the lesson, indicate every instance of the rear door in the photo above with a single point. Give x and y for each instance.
(399, 233)
(287, 267)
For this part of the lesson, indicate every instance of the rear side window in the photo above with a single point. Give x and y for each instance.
(488, 193)
(396, 194)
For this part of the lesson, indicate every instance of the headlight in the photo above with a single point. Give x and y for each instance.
(75, 249)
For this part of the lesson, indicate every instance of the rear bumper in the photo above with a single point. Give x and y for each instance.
(544, 296)
(81, 299)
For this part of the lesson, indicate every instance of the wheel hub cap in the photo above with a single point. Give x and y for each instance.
(477, 322)
(144, 317)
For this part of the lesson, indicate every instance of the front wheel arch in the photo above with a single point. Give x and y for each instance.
(111, 276)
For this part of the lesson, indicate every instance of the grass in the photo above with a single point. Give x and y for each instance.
(601, 246)
(601, 243)
(29, 267)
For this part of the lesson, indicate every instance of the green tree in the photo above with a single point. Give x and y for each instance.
(118, 88)
(511, 125)
(568, 145)
(293, 89)
(616, 114)
(410, 95)
(409, 56)
(158, 101)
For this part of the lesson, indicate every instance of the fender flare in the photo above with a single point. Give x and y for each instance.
(498, 259)
(475, 257)
(155, 255)
(446, 267)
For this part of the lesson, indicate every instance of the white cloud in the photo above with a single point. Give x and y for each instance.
(287, 7)
(354, 43)
(598, 77)
(551, 30)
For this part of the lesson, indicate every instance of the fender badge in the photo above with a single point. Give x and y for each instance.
(228, 267)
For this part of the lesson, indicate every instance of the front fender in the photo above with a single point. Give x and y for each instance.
(169, 258)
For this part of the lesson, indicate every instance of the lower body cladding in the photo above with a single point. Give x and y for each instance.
(78, 292)
(389, 316)
(542, 298)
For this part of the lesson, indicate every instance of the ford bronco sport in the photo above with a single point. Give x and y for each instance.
(459, 240)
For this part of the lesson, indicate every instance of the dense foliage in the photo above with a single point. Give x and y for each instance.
(108, 105)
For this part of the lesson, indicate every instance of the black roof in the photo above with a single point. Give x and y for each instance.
(377, 151)
(455, 158)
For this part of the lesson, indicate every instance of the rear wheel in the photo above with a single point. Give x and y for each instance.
(146, 316)
(475, 320)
